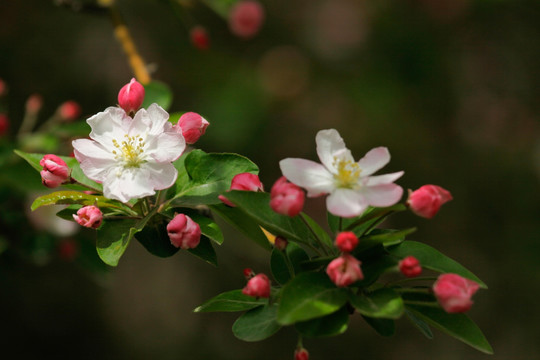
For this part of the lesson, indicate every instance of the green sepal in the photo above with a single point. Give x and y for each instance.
(309, 295)
(159, 93)
(257, 324)
(432, 259)
(329, 325)
(381, 303)
(230, 301)
(113, 237)
(459, 326)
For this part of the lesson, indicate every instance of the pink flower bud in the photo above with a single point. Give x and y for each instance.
(55, 171)
(68, 250)
(69, 110)
(344, 270)
(410, 267)
(280, 243)
(183, 232)
(454, 292)
(346, 241)
(244, 182)
(286, 198)
(131, 96)
(246, 18)
(248, 273)
(427, 200)
(301, 354)
(199, 37)
(89, 216)
(34, 103)
(192, 126)
(4, 124)
(258, 286)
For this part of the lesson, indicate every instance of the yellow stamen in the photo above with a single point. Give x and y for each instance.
(130, 150)
(348, 173)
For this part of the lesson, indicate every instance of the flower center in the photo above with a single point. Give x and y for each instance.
(348, 173)
(129, 150)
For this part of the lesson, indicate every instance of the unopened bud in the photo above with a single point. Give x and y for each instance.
(344, 270)
(346, 241)
(199, 37)
(246, 18)
(301, 354)
(34, 103)
(131, 96)
(68, 250)
(89, 216)
(280, 243)
(69, 110)
(192, 126)
(248, 273)
(410, 267)
(454, 292)
(4, 124)
(286, 198)
(427, 200)
(244, 182)
(55, 171)
(183, 232)
(258, 286)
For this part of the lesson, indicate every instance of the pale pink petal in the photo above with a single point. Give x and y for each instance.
(108, 125)
(166, 147)
(126, 184)
(309, 175)
(374, 160)
(383, 179)
(161, 176)
(346, 203)
(329, 146)
(151, 121)
(382, 195)
(94, 159)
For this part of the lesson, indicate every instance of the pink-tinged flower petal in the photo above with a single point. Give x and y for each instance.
(346, 203)
(374, 160)
(382, 195)
(125, 184)
(329, 145)
(383, 179)
(149, 121)
(108, 125)
(309, 175)
(166, 147)
(161, 175)
(94, 160)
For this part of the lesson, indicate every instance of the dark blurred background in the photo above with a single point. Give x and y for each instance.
(451, 87)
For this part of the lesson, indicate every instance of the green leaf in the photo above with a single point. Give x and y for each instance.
(382, 303)
(278, 266)
(297, 256)
(68, 212)
(308, 296)
(385, 327)
(208, 226)
(159, 93)
(221, 7)
(243, 223)
(113, 239)
(230, 301)
(330, 325)
(75, 197)
(257, 206)
(370, 218)
(155, 239)
(205, 251)
(257, 324)
(419, 324)
(459, 326)
(384, 237)
(319, 231)
(432, 259)
(202, 177)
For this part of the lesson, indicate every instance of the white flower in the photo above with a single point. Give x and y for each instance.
(130, 157)
(349, 183)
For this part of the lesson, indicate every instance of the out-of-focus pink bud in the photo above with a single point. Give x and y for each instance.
(410, 267)
(34, 103)
(280, 243)
(68, 250)
(69, 110)
(55, 171)
(4, 124)
(131, 96)
(346, 241)
(89, 216)
(301, 354)
(183, 232)
(344, 270)
(427, 200)
(244, 182)
(199, 37)
(454, 292)
(258, 286)
(286, 198)
(248, 273)
(3, 88)
(192, 126)
(246, 18)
